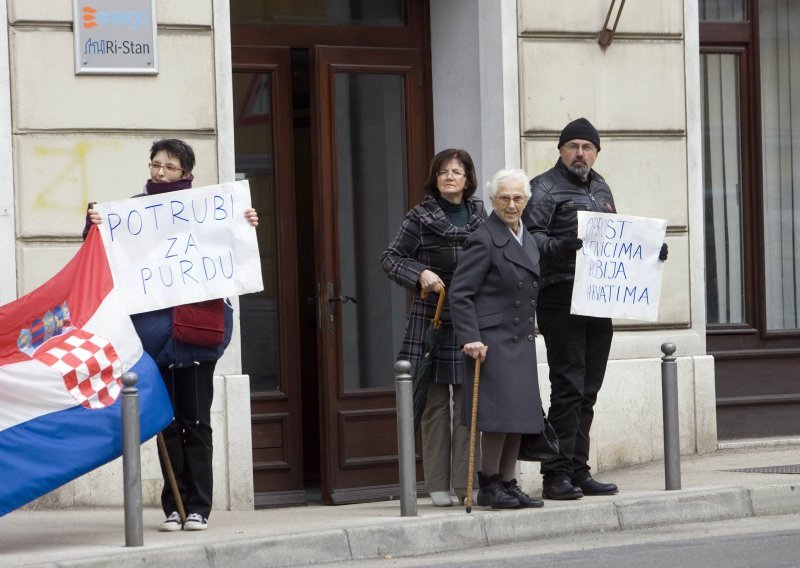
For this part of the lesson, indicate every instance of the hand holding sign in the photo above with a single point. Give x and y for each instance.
(617, 272)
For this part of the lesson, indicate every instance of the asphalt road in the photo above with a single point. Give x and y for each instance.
(742, 543)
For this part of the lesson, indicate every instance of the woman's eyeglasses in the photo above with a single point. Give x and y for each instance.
(458, 174)
(170, 169)
(504, 200)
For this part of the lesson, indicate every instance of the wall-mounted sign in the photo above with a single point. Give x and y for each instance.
(115, 37)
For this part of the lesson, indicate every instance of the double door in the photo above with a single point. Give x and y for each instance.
(334, 143)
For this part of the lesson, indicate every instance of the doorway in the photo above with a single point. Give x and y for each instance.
(334, 141)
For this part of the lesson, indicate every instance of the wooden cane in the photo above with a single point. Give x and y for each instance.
(472, 427)
(162, 448)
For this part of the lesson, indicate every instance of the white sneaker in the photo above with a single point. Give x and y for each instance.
(195, 522)
(441, 499)
(172, 523)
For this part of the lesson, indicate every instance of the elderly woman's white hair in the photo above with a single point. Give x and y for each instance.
(502, 177)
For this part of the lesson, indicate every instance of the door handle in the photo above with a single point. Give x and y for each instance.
(332, 297)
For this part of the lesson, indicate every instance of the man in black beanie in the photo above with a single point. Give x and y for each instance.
(577, 346)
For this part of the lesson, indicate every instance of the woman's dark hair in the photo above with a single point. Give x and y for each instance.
(438, 162)
(175, 149)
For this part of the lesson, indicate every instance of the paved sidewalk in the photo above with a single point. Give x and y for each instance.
(315, 534)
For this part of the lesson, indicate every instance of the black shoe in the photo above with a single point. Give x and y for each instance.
(590, 486)
(525, 500)
(561, 490)
(492, 493)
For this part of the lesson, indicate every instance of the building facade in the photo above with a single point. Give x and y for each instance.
(332, 110)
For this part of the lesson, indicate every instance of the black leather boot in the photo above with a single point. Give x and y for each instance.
(525, 500)
(492, 493)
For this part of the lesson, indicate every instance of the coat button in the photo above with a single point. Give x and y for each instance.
(530, 320)
(516, 339)
(520, 284)
(533, 302)
(535, 284)
(530, 338)
(516, 321)
(517, 304)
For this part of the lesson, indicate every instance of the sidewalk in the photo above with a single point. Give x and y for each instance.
(309, 535)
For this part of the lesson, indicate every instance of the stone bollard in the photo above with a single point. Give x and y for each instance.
(672, 433)
(404, 387)
(131, 461)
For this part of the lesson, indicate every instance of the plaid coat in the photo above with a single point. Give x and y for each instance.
(426, 239)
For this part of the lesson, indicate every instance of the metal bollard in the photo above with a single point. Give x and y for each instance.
(131, 461)
(405, 438)
(669, 399)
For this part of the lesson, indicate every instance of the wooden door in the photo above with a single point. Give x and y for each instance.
(370, 153)
(269, 319)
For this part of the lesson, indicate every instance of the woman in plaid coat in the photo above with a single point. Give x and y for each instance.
(422, 258)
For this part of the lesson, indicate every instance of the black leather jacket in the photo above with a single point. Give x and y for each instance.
(557, 196)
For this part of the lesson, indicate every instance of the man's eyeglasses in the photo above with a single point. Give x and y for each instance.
(170, 169)
(458, 174)
(504, 200)
(574, 147)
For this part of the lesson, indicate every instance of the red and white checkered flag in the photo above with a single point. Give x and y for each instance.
(90, 366)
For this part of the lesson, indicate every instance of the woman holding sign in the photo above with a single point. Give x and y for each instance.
(493, 305)
(186, 342)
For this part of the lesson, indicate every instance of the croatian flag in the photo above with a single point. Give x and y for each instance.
(63, 349)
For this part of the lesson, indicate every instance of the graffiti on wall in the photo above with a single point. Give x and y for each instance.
(63, 173)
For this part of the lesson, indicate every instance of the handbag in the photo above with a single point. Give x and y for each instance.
(201, 323)
(539, 447)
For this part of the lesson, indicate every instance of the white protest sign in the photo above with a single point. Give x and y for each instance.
(617, 272)
(182, 246)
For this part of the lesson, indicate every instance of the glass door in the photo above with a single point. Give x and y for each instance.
(370, 152)
(269, 319)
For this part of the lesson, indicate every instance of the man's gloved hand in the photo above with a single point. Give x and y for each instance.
(563, 247)
(662, 256)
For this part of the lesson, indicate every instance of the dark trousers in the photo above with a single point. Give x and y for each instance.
(577, 353)
(188, 437)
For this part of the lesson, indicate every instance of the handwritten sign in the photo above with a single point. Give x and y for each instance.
(617, 272)
(181, 247)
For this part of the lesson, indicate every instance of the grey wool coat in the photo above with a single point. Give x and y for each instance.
(426, 239)
(493, 300)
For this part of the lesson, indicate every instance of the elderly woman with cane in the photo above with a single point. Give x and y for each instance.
(493, 305)
(422, 258)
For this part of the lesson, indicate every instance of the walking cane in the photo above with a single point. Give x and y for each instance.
(472, 427)
(162, 449)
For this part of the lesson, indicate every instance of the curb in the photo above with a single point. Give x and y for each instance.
(416, 536)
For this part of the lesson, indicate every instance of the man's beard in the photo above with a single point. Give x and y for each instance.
(579, 169)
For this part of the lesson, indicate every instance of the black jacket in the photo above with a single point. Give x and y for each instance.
(557, 196)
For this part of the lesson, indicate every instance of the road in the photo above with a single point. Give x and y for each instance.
(742, 543)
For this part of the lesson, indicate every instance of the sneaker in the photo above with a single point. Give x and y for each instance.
(195, 522)
(172, 523)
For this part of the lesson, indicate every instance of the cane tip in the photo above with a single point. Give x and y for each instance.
(469, 510)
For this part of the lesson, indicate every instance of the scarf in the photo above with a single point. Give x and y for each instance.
(153, 188)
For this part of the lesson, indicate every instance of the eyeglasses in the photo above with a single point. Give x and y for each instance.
(504, 200)
(170, 169)
(574, 147)
(458, 174)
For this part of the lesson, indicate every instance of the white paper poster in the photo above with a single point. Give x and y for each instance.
(181, 247)
(617, 272)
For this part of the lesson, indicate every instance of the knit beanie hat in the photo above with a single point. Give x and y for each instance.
(579, 129)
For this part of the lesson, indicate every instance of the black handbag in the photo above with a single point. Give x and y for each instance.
(539, 447)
